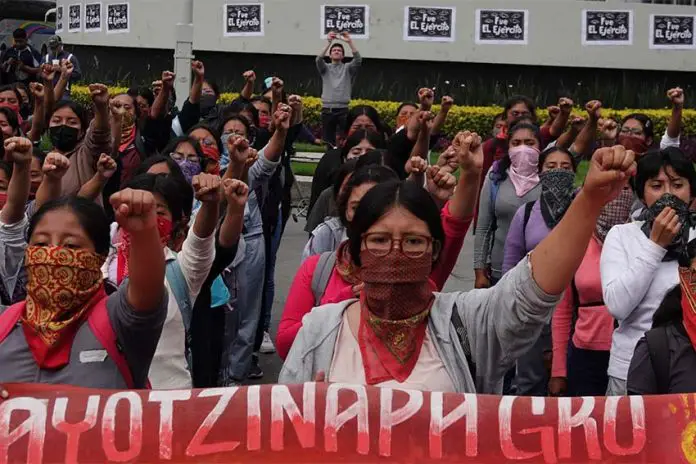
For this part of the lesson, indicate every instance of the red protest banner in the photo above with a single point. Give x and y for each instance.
(338, 422)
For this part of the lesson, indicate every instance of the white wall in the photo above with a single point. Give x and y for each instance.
(292, 27)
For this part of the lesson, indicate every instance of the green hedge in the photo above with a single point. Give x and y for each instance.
(474, 118)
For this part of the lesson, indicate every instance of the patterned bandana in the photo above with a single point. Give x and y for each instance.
(395, 305)
(614, 213)
(678, 248)
(164, 227)
(63, 285)
(190, 169)
(127, 132)
(557, 193)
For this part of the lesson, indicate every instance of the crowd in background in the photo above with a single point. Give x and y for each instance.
(138, 240)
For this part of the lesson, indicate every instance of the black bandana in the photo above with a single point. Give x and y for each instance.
(687, 219)
(556, 194)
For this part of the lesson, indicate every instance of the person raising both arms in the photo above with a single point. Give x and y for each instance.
(337, 78)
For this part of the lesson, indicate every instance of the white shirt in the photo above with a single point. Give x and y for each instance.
(429, 373)
(635, 280)
(169, 369)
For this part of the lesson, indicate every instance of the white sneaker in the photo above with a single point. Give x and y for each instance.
(267, 346)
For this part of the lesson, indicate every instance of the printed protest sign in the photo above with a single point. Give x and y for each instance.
(59, 19)
(353, 19)
(502, 26)
(604, 27)
(93, 17)
(429, 23)
(118, 18)
(243, 19)
(672, 32)
(75, 18)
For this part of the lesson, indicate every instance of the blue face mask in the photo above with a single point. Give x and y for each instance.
(225, 155)
(190, 169)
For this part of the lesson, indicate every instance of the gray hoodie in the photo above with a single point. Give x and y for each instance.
(502, 323)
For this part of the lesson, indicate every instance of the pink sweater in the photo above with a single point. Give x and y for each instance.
(594, 326)
(300, 300)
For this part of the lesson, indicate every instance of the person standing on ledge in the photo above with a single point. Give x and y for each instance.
(337, 78)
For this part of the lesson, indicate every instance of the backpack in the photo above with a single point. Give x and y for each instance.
(322, 274)
(461, 331)
(101, 327)
(658, 351)
(527, 214)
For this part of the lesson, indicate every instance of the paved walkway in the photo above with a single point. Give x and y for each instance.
(289, 254)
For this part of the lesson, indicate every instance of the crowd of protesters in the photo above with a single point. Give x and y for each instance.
(139, 249)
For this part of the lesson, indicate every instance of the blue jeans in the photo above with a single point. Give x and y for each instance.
(242, 322)
(269, 284)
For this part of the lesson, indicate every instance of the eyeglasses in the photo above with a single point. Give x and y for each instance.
(206, 142)
(176, 156)
(380, 244)
(629, 131)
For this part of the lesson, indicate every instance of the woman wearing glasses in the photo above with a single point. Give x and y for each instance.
(400, 333)
(636, 130)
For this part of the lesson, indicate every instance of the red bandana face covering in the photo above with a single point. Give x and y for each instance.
(63, 285)
(395, 304)
(212, 153)
(164, 227)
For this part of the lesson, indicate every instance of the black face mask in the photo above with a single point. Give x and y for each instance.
(64, 138)
(678, 249)
(208, 102)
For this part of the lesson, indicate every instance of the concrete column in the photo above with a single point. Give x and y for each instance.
(183, 52)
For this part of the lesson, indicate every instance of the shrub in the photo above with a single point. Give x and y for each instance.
(474, 118)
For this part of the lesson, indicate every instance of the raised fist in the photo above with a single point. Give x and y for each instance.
(55, 165)
(135, 210)
(18, 149)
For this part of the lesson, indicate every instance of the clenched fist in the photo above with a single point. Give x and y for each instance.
(135, 210)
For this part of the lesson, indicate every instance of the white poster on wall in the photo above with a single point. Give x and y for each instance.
(118, 18)
(243, 19)
(607, 27)
(502, 26)
(93, 17)
(353, 19)
(674, 32)
(429, 23)
(59, 19)
(75, 18)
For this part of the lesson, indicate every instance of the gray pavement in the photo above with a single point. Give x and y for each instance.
(293, 242)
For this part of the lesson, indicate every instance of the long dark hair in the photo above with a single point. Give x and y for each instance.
(375, 139)
(381, 199)
(90, 215)
(370, 112)
(373, 174)
(500, 173)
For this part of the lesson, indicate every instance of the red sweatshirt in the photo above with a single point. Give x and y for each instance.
(300, 300)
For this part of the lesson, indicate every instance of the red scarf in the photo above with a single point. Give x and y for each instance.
(687, 279)
(394, 308)
(63, 286)
(164, 227)
(211, 152)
